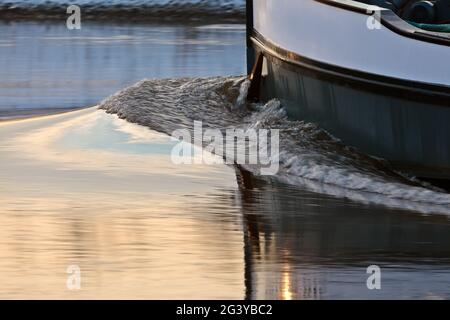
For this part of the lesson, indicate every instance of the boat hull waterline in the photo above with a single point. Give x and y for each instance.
(396, 111)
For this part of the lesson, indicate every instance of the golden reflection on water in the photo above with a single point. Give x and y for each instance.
(138, 226)
(286, 289)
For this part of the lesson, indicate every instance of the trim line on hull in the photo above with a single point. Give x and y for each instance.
(406, 89)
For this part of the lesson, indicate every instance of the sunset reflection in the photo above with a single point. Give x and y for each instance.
(111, 202)
(286, 286)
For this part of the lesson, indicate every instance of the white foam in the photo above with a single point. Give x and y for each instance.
(309, 156)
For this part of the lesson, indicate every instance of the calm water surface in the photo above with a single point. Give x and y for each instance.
(45, 65)
(89, 189)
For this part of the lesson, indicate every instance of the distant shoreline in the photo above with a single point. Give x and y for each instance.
(123, 13)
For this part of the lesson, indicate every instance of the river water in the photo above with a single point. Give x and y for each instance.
(98, 190)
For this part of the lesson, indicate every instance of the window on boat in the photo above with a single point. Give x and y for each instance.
(428, 15)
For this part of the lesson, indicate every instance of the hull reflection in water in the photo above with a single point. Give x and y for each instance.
(301, 245)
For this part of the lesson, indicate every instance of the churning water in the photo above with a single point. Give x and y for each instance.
(309, 156)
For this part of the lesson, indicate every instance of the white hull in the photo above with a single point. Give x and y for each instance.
(385, 91)
(341, 37)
